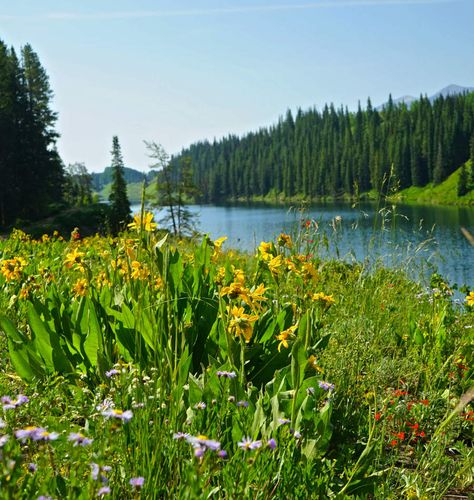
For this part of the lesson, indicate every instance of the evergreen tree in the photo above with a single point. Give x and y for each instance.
(119, 210)
(439, 172)
(463, 181)
(471, 173)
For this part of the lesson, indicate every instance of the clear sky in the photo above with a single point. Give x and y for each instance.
(177, 71)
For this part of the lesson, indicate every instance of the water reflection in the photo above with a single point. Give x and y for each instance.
(421, 238)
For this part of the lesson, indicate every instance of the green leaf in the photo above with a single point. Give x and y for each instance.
(47, 342)
(24, 359)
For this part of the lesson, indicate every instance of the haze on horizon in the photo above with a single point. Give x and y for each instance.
(177, 72)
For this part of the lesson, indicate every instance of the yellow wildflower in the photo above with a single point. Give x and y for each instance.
(145, 222)
(217, 247)
(309, 272)
(275, 264)
(235, 290)
(139, 271)
(328, 300)
(45, 238)
(284, 240)
(284, 335)
(266, 250)
(470, 299)
(220, 275)
(74, 258)
(312, 361)
(12, 268)
(239, 275)
(80, 288)
(241, 323)
(24, 292)
(256, 297)
(102, 280)
(159, 284)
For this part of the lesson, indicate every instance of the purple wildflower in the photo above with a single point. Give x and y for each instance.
(112, 372)
(248, 444)
(10, 404)
(137, 482)
(200, 406)
(35, 434)
(4, 440)
(199, 452)
(105, 490)
(326, 386)
(203, 442)
(284, 421)
(125, 416)
(226, 374)
(272, 444)
(222, 454)
(180, 435)
(32, 467)
(44, 497)
(242, 404)
(79, 439)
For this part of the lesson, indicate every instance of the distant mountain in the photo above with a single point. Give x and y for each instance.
(100, 180)
(449, 90)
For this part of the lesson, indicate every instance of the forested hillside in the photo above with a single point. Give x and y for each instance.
(31, 172)
(334, 152)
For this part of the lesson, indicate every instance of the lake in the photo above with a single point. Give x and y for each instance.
(421, 238)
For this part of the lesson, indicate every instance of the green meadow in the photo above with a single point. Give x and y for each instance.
(143, 366)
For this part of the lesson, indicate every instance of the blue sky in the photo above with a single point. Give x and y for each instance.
(176, 72)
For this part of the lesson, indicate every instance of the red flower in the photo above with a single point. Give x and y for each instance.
(393, 442)
(400, 435)
(399, 393)
(378, 416)
(424, 402)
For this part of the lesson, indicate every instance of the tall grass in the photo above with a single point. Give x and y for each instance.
(210, 373)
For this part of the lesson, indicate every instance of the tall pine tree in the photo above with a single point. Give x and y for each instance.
(119, 209)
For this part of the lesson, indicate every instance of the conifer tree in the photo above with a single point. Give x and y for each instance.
(119, 210)
(463, 181)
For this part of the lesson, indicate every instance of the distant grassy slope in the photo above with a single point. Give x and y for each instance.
(134, 191)
(442, 194)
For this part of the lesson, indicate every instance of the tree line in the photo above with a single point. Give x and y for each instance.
(31, 171)
(334, 152)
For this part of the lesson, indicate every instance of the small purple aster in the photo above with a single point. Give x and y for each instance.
(180, 435)
(222, 454)
(112, 372)
(79, 439)
(242, 404)
(248, 444)
(10, 404)
(125, 416)
(137, 482)
(326, 386)
(271, 443)
(284, 421)
(35, 434)
(105, 490)
(32, 467)
(200, 406)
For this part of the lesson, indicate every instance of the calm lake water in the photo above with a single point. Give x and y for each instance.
(420, 238)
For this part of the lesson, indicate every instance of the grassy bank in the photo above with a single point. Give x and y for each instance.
(140, 367)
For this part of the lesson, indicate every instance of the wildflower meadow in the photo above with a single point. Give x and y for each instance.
(144, 366)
